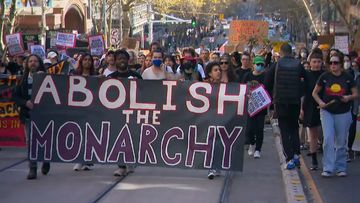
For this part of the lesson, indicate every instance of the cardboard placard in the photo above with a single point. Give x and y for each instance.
(38, 50)
(65, 39)
(96, 45)
(342, 43)
(14, 44)
(242, 30)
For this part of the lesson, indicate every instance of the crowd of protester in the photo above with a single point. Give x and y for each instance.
(316, 88)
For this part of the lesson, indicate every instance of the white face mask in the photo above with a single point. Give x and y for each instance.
(303, 55)
(347, 65)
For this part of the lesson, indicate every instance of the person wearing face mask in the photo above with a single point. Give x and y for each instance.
(303, 55)
(188, 70)
(255, 133)
(158, 71)
(347, 62)
(22, 97)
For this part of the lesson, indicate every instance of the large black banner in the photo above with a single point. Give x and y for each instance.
(154, 123)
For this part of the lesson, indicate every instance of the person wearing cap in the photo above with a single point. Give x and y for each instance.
(53, 57)
(255, 133)
(122, 58)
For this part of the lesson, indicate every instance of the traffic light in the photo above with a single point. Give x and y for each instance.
(193, 22)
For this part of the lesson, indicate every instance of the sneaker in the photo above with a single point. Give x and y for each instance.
(251, 150)
(32, 174)
(296, 160)
(326, 174)
(341, 174)
(290, 165)
(87, 167)
(77, 167)
(257, 154)
(350, 156)
(211, 174)
(45, 168)
(120, 172)
(130, 169)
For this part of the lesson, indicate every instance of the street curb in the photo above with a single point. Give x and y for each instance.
(293, 185)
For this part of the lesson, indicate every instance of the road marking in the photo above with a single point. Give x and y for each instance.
(12, 165)
(310, 182)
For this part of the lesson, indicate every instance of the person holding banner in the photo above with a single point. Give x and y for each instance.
(22, 98)
(110, 62)
(213, 76)
(85, 68)
(227, 70)
(333, 92)
(255, 132)
(122, 61)
(309, 112)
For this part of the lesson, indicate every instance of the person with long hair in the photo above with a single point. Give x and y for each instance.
(85, 65)
(85, 68)
(172, 73)
(22, 97)
(147, 63)
(227, 70)
(334, 91)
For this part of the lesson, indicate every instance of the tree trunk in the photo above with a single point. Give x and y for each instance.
(12, 15)
(126, 22)
(120, 15)
(2, 16)
(109, 22)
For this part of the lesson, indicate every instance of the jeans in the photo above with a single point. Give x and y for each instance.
(288, 116)
(335, 129)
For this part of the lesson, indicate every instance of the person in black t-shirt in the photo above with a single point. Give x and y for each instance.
(122, 65)
(245, 68)
(309, 112)
(333, 92)
(255, 133)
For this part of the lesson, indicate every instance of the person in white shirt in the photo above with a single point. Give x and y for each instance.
(110, 60)
(158, 70)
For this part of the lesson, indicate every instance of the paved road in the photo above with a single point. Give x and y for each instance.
(337, 189)
(260, 181)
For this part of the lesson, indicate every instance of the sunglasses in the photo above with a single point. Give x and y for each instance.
(334, 63)
(223, 62)
(260, 64)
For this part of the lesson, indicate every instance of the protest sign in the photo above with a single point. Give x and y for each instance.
(65, 39)
(242, 30)
(259, 100)
(14, 44)
(30, 40)
(342, 43)
(153, 123)
(130, 43)
(38, 50)
(97, 45)
(11, 130)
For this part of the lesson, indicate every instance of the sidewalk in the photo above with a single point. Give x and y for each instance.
(261, 181)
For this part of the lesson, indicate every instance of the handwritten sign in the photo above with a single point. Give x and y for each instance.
(14, 43)
(97, 45)
(65, 39)
(259, 100)
(342, 43)
(242, 30)
(38, 50)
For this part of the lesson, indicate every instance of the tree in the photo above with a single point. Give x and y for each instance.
(7, 25)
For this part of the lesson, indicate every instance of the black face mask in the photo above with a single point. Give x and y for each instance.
(188, 65)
